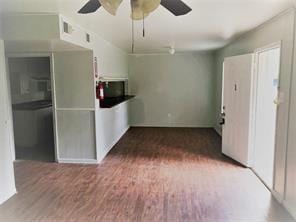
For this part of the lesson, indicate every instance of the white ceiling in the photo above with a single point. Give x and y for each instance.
(211, 24)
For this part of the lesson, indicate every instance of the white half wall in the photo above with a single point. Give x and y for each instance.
(172, 90)
(111, 124)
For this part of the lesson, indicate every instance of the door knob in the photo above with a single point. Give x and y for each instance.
(222, 122)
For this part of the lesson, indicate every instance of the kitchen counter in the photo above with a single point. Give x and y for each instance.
(32, 123)
(110, 102)
(35, 105)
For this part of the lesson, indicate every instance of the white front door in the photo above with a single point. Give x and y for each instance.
(267, 81)
(236, 107)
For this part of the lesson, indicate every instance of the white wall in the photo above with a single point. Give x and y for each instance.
(31, 27)
(7, 184)
(75, 106)
(172, 90)
(112, 61)
(290, 194)
(110, 124)
(281, 28)
(74, 83)
(74, 80)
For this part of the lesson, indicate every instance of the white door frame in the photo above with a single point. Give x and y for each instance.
(9, 183)
(51, 58)
(253, 106)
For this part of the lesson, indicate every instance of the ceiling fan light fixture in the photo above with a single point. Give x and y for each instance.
(142, 8)
(138, 14)
(110, 6)
(150, 5)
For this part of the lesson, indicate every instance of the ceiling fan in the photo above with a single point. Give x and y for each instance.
(140, 8)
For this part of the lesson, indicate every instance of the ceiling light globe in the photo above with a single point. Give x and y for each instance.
(172, 51)
(110, 6)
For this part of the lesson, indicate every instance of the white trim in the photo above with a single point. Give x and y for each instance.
(9, 105)
(252, 130)
(191, 52)
(112, 79)
(7, 196)
(289, 208)
(24, 54)
(173, 125)
(222, 94)
(78, 161)
(218, 130)
(257, 175)
(75, 109)
(53, 94)
(253, 99)
(268, 47)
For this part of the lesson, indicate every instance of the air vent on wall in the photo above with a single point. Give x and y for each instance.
(87, 37)
(67, 28)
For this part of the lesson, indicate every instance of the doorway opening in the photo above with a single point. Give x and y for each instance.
(265, 95)
(31, 100)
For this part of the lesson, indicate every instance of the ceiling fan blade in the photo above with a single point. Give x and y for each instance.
(90, 6)
(177, 7)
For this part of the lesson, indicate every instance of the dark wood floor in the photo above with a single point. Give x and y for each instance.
(153, 174)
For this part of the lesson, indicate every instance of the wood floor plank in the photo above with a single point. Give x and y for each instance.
(152, 174)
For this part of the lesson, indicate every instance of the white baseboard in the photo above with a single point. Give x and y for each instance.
(78, 161)
(171, 126)
(92, 161)
(7, 196)
(218, 130)
(289, 209)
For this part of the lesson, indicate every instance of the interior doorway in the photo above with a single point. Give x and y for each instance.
(266, 84)
(31, 100)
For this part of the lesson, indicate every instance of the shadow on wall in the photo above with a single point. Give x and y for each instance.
(139, 118)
